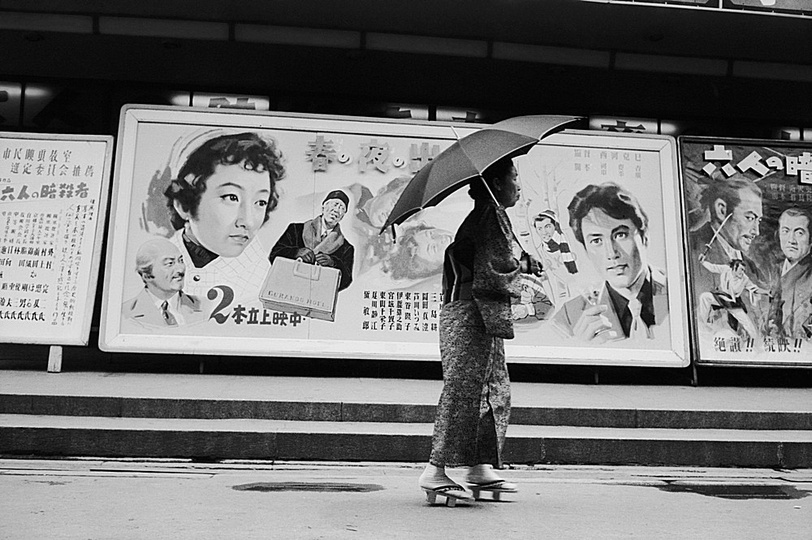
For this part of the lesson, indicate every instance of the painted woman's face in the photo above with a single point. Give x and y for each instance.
(430, 245)
(381, 205)
(231, 210)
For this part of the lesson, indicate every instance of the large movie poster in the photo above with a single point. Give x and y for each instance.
(601, 213)
(260, 234)
(749, 218)
(53, 200)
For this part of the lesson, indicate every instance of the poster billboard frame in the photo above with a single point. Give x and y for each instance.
(672, 351)
(79, 334)
(676, 354)
(134, 116)
(762, 162)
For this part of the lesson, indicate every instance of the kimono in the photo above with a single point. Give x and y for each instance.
(480, 276)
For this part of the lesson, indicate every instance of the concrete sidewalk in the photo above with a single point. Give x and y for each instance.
(164, 499)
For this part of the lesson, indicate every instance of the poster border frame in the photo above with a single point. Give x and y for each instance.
(130, 117)
(692, 322)
(674, 355)
(679, 354)
(82, 338)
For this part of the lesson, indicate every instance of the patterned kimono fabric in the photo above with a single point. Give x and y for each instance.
(480, 276)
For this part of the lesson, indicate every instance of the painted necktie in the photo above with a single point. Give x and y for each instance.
(638, 329)
(169, 319)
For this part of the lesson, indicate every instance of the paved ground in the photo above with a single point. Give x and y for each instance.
(125, 499)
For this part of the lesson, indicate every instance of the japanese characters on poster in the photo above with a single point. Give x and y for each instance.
(53, 192)
(749, 219)
(260, 234)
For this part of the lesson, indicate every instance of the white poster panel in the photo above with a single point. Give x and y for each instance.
(53, 200)
(601, 212)
(258, 278)
(749, 223)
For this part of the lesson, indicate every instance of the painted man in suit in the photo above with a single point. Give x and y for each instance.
(320, 240)
(162, 302)
(633, 299)
(791, 307)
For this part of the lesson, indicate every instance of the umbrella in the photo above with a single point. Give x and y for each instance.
(468, 157)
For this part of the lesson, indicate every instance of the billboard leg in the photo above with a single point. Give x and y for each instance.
(55, 359)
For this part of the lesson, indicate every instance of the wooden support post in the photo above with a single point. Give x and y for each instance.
(201, 367)
(55, 359)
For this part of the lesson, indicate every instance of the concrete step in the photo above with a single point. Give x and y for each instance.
(321, 399)
(340, 411)
(38, 435)
(365, 419)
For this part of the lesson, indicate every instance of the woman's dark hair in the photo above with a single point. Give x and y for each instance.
(494, 174)
(249, 150)
(613, 200)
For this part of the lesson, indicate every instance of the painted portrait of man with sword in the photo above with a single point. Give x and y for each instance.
(734, 210)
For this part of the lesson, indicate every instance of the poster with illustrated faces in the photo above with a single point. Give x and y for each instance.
(257, 233)
(601, 213)
(748, 207)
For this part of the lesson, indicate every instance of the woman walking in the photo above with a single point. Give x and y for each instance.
(480, 275)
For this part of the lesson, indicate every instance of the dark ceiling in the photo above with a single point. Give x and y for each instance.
(312, 74)
(617, 26)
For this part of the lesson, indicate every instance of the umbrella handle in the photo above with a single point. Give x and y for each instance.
(487, 187)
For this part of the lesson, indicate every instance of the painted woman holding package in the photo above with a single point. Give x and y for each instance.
(480, 276)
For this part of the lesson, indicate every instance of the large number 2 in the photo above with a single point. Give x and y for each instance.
(225, 301)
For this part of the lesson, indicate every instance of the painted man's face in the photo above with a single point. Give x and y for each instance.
(743, 226)
(545, 229)
(333, 211)
(616, 248)
(168, 269)
(231, 210)
(793, 232)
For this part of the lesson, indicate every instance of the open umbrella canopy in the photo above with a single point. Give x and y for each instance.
(468, 158)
